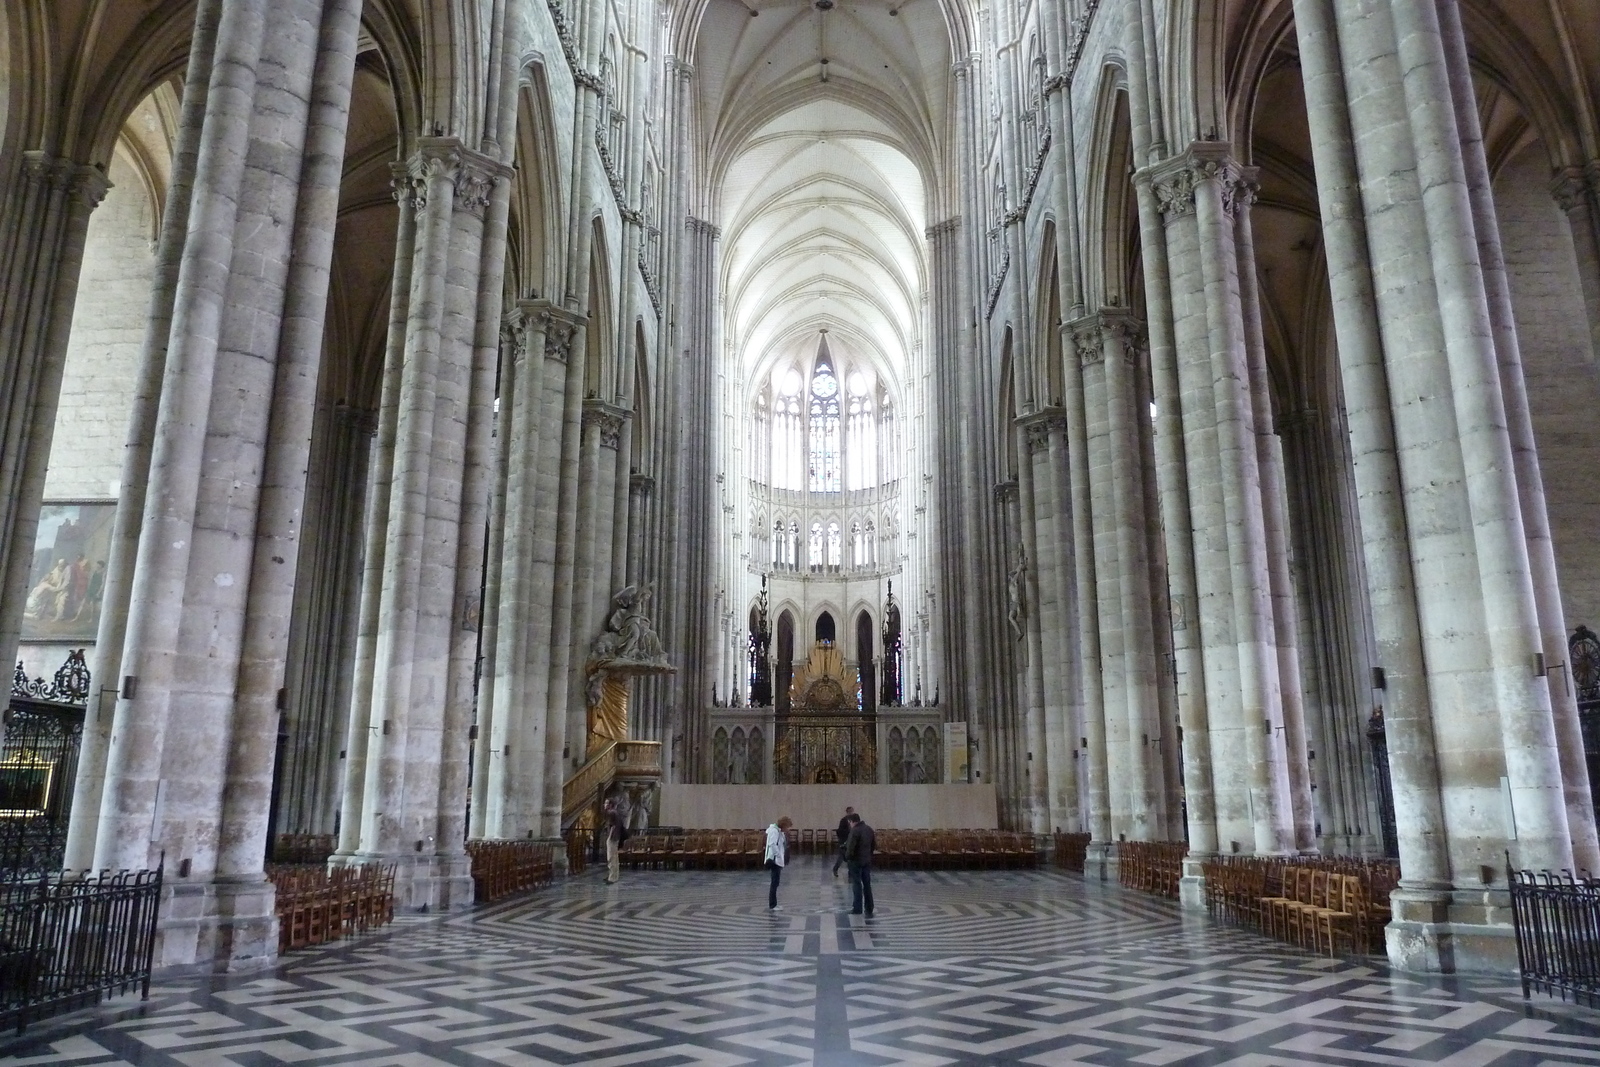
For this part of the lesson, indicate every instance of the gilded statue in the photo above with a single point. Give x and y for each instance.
(628, 646)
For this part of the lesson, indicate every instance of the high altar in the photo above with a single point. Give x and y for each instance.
(826, 734)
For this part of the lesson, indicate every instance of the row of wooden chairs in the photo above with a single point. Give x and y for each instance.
(1318, 908)
(316, 905)
(303, 848)
(1318, 903)
(1151, 866)
(714, 850)
(733, 849)
(501, 868)
(970, 849)
(1072, 851)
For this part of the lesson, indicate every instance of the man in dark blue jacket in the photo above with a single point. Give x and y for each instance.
(858, 849)
(841, 833)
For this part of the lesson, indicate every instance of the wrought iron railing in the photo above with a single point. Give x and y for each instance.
(1557, 921)
(69, 940)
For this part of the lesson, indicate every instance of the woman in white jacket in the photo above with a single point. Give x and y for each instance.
(776, 856)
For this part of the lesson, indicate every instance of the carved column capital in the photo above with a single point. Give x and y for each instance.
(1037, 428)
(556, 324)
(89, 185)
(1086, 339)
(1571, 189)
(606, 418)
(473, 175)
(703, 228)
(1124, 327)
(1176, 180)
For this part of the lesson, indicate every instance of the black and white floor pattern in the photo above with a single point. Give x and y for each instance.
(679, 968)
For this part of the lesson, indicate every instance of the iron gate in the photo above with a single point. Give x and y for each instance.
(38, 765)
(1583, 653)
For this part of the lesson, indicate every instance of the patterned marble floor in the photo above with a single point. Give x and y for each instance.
(669, 969)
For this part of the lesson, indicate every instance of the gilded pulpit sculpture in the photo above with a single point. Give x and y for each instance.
(627, 648)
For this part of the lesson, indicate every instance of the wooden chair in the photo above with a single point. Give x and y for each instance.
(1336, 921)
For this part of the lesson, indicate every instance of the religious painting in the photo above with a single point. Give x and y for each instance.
(68, 578)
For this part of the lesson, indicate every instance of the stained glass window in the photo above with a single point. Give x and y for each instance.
(814, 553)
(861, 447)
(788, 452)
(835, 545)
(824, 430)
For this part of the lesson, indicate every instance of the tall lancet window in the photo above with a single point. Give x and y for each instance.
(886, 434)
(861, 446)
(760, 434)
(814, 548)
(788, 432)
(835, 544)
(824, 429)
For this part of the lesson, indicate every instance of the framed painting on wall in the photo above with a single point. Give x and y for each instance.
(68, 578)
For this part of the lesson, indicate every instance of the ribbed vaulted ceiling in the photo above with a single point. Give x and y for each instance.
(821, 171)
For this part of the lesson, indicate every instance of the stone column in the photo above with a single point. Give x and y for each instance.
(189, 768)
(538, 767)
(322, 627)
(1524, 449)
(1577, 193)
(1385, 541)
(260, 695)
(1122, 769)
(1024, 586)
(1062, 727)
(1275, 523)
(1493, 751)
(1121, 340)
(1090, 746)
(375, 534)
(437, 488)
(1196, 191)
(1194, 687)
(106, 660)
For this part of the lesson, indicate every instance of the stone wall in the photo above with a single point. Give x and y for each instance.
(1563, 379)
(103, 354)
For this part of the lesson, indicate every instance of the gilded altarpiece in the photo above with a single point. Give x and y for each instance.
(825, 738)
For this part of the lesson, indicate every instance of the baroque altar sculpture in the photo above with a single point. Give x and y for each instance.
(628, 647)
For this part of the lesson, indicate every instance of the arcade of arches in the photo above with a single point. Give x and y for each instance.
(1191, 404)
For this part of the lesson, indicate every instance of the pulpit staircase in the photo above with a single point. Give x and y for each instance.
(635, 766)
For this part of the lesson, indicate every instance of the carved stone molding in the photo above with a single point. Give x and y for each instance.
(514, 332)
(943, 229)
(1126, 328)
(1176, 180)
(473, 175)
(89, 185)
(641, 485)
(1577, 187)
(703, 228)
(1038, 426)
(608, 419)
(84, 183)
(558, 325)
(1089, 334)
(1005, 492)
(1085, 335)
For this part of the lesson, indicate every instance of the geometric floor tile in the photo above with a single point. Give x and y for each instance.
(677, 968)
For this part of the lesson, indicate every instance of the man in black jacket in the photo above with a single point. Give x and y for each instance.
(858, 849)
(841, 833)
